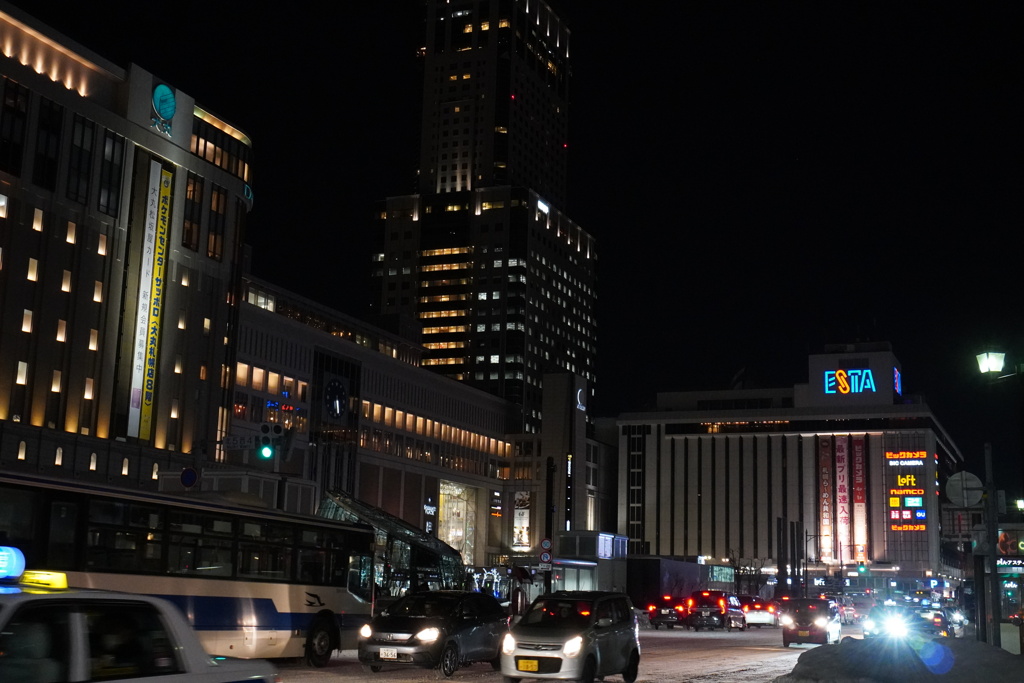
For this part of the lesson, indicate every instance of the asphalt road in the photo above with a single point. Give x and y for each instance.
(668, 656)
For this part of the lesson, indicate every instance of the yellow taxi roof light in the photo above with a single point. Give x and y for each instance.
(45, 579)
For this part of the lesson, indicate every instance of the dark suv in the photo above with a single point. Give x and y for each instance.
(667, 612)
(715, 609)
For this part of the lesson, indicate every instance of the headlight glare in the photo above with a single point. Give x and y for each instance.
(821, 622)
(365, 631)
(508, 644)
(429, 635)
(786, 620)
(573, 646)
(868, 625)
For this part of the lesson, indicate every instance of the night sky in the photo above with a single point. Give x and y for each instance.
(763, 178)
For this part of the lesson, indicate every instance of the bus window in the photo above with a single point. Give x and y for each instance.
(264, 561)
(197, 555)
(360, 576)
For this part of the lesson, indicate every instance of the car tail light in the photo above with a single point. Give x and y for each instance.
(689, 602)
(680, 609)
(746, 608)
(650, 608)
(771, 608)
(721, 604)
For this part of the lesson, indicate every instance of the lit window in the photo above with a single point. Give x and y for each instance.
(3, 206)
(88, 389)
(241, 374)
(92, 462)
(26, 321)
(124, 467)
(273, 380)
(37, 220)
(71, 232)
(22, 376)
(62, 330)
(258, 376)
(33, 269)
(174, 408)
(55, 383)
(184, 277)
(181, 320)
(485, 26)
(468, 28)
(94, 339)
(58, 457)
(177, 365)
(101, 247)
(65, 283)
(21, 450)
(156, 471)
(206, 326)
(97, 292)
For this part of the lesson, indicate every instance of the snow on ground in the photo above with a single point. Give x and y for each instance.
(884, 660)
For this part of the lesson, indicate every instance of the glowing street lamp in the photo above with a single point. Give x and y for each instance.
(990, 361)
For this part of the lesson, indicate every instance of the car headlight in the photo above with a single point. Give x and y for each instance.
(821, 622)
(429, 635)
(786, 620)
(573, 646)
(868, 625)
(508, 644)
(365, 631)
(895, 626)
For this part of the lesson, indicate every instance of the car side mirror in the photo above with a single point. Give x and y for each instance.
(604, 622)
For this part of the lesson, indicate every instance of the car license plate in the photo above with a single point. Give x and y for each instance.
(527, 664)
(667, 611)
(389, 653)
(803, 634)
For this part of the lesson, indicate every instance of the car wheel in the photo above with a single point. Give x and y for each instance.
(633, 668)
(449, 661)
(509, 679)
(496, 663)
(319, 643)
(589, 671)
(656, 626)
(785, 643)
(743, 625)
(375, 668)
(670, 626)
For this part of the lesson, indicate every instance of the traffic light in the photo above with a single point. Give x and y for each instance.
(268, 440)
(861, 569)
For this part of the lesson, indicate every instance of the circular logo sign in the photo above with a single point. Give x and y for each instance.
(164, 102)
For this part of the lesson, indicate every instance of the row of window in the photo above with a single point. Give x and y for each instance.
(261, 379)
(85, 142)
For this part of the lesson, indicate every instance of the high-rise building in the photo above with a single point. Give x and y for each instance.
(121, 210)
(502, 282)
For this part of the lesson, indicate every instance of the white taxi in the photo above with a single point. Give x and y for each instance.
(52, 634)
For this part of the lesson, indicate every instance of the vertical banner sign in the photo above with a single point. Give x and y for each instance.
(521, 521)
(860, 501)
(150, 303)
(825, 532)
(843, 507)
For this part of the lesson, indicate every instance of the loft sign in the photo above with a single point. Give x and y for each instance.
(855, 381)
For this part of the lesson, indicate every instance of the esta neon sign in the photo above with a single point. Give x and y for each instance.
(849, 381)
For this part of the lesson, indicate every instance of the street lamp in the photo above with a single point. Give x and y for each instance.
(990, 361)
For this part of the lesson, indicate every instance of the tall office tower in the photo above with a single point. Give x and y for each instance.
(121, 211)
(502, 281)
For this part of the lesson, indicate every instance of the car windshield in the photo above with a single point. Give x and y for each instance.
(809, 607)
(423, 605)
(560, 614)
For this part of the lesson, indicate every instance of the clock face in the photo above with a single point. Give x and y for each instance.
(335, 398)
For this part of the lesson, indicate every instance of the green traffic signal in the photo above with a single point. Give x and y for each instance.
(266, 451)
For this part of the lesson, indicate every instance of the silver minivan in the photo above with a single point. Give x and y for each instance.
(573, 635)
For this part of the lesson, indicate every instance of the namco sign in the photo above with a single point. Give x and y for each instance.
(858, 381)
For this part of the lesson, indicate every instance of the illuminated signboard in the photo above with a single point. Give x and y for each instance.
(849, 381)
(906, 458)
(897, 381)
(905, 503)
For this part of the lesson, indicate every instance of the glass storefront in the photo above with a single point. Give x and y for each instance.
(457, 514)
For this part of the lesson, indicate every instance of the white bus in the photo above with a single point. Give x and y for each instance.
(253, 583)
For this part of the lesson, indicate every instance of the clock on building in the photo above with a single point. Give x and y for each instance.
(336, 397)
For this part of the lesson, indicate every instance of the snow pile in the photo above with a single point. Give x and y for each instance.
(885, 660)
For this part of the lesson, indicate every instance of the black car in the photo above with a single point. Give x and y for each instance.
(811, 620)
(435, 629)
(715, 609)
(900, 622)
(667, 612)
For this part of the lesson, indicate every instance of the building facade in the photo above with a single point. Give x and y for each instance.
(836, 482)
(122, 206)
(500, 279)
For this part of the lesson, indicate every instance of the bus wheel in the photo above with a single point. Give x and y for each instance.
(318, 644)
